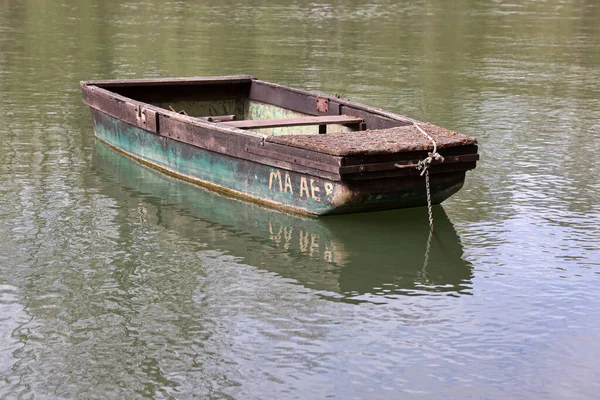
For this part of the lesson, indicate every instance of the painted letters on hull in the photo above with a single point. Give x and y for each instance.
(308, 187)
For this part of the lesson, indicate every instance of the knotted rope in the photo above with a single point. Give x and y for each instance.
(423, 166)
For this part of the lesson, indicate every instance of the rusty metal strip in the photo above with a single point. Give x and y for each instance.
(220, 118)
(323, 105)
(387, 166)
(436, 170)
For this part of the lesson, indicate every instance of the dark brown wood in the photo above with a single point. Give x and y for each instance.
(207, 137)
(391, 165)
(127, 110)
(303, 153)
(193, 81)
(400, 172)
(202, 92)
(185, 129)
(302, 121)
(295, 100)
(306, 103)
(406, 155)
(260, 150)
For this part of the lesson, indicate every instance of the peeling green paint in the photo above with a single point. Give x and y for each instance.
(258, 110)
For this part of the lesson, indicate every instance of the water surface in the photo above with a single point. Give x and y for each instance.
(119, 282)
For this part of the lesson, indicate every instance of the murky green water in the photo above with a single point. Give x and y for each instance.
(118, 282)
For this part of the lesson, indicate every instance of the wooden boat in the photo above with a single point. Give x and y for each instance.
(286, 148)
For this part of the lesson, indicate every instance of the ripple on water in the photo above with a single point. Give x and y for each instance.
(110, 289)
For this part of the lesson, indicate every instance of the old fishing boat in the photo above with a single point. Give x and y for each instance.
(286, 148)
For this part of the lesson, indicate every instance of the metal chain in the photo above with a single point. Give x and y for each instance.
(426, 258)
(429, 207)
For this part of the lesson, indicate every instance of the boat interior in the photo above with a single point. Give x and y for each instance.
(262, 107)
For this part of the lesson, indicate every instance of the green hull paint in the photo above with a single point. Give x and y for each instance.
(275, 187)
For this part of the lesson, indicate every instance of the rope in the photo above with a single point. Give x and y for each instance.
(434, 155)
(423, 166)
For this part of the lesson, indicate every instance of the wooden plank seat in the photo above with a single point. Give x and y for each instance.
(302, 121)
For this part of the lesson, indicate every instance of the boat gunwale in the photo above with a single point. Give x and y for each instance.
(194, 80)
(171, 114)
(344, 102)
(106, 84)
(249, 139)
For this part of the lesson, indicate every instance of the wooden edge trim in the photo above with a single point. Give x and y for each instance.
(303, 153)
(339, 101)
(302, 121)
(91, 91)
(261, 151)
(197, 80)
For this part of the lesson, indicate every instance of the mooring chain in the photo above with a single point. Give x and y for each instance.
(426, 258)
(423, 166)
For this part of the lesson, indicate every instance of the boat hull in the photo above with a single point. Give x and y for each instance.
(277, 187)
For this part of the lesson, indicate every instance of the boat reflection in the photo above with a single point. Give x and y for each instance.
(349, 256)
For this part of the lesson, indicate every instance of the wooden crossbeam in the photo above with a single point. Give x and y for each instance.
(302, 121)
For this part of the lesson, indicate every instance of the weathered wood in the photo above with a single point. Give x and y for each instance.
(292, 99)
(407, 172)
(304, 121)
(357, 159)
(402, 164)
(209, 138)
(393, 140)
(127, 110)
(293, 160)
(308, 103)
(205, 91)
(193, 81)
(304, 153)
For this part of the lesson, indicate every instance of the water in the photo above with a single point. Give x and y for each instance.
(118, 282)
